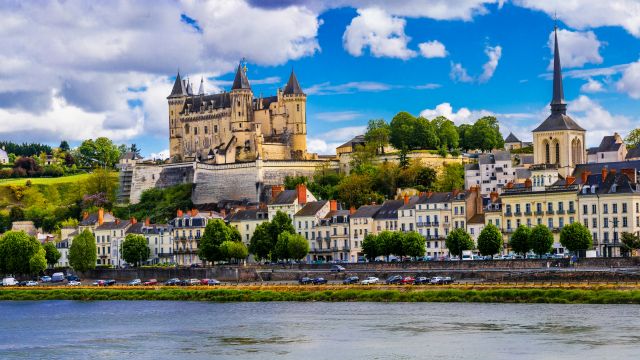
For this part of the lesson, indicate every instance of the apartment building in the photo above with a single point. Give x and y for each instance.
(492, 172)
(186, 230)
(159, 240)
(361, 222)
(289, 201)
(109, 237)
(246, 221)
(307, 219)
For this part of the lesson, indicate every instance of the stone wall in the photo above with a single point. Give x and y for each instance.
(226, 182)
(159, 176)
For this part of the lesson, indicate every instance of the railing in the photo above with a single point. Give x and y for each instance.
(539, 212)
(508, 213)
(527, 213)
(560, 212)
(517, 213)
(550, 212)
(571, 211)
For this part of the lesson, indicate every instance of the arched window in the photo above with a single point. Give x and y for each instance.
(547, 153)
(557, 153)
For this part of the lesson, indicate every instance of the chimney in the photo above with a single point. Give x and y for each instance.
(117, 221)
(527, 183)
(100, 216)
(406, 199)
(424, 193)
(569, 181)
(194, 212)
(510, 185)
(147, 221)
(352, 210)
(604, 173)
(585, 176)
(189, 213)
(179, 213)
(630, 173)
(302, 193)
(456, 192)
(494, 196)
(333, 205)
(134, 221)
(429, 193)
(276, 190)
(85, 215)
(612, 171)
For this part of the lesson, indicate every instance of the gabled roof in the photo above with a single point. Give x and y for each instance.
(357, 140)
(293, 87)
(596, 168)
(366, 211)
(92, 219)
(130, 155)
(240, 81)
(114, 225)
(249, 215)
(633, 153)
(623, 184)
(311, 208)
(178, 88)
(476, 219)
(609, 143)
(389, 210)
(286, 197)
(216, 101)
(511, 138)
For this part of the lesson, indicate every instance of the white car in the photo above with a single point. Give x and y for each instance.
(74, 283)
(370, 280)
(31, 283)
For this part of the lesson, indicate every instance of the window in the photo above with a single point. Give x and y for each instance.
(550, 223)
(605, 208)
(624, 222)
(547, 153)
(594, 223)
(624, 208)
(557, 153)
(585, 209)
(561, 222)
(606, 223)
(539, 207)
(517, 208)
(560, 206)
(550, 207)
(206, 129)
(215, 128)
(195, 130)
(527, 208)
(614, 208)
(508, 209)
(297, 107)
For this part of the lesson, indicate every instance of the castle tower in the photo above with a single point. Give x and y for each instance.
(176, 101)
(295, 101)
(559, 140)
(241, 98)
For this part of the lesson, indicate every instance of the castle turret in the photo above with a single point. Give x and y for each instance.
(176, 101)
(295, 102)
(241, 98)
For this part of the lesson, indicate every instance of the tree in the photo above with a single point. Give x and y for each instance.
(281, 250)
(82, 252)
(541, 239)
(279, 224)
(378, 132)
(485, 134)
(38, 262)
(52, 254)
(261, 244)
(135, 149)
(575, 237)
(397, 244)
(425, 135)
(452, 177)
(447, 132)
(17, 249)
(357, 190)
(64, 145)
(215, 233)
(633, 139)
(457, 241)
(385, 239)
(490, 240)
(298, 247)
(135, 249)
(99, 153)
(27, 165)
(233, 250)
(413, 244)
(102, 182)
(630, 242)
(403, 131)
(520, 243)
(464, 136)
(371, 247)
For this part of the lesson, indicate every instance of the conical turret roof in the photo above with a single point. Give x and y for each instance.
(240, 81)
(293, 87)
(178, 88)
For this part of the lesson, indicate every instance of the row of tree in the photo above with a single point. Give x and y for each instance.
(277, 240)
(23, 254)
(396, 243)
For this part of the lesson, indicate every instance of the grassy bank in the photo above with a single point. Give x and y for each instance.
(46, 181)
(335, 294)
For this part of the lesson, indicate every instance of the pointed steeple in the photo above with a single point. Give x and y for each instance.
(201, 90)
(189, 88)
(178, 88)
(293, 87)
(558, 106)
(241, 81)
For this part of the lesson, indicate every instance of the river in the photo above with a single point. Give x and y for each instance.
(196, 330)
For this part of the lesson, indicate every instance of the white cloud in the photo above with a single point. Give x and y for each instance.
(592, 86)
(382, 33)
(432, 49)
(428, 86)
(458, 73)
(576, 48)
(494, 53)
(597, 120)
(337, 116)
(160, 155)
(347, 88)
(462, 116)
(585, 14)
(327, 142)
(630, 80)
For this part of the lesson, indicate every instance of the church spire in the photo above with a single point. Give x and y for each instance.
(201, 90)
(558, 106)
(178, 88)
(241, 81)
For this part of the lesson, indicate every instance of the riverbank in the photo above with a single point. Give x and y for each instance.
(578, 294)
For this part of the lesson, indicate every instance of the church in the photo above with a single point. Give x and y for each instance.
(235, 126)
(559, 141)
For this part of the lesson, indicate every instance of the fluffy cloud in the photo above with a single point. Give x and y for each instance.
(591, 13)
(630, 80)
(432, 49)
(592, 86)
(494, 54)
(327, 142)
(576, 48)
(597, 120)
(458, 73)
(382, 33)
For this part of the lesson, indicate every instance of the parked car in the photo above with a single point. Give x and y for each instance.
(319, 281)
(184, 282)
(74, 283)
(213, 282)
(351, 280)
(57, 277)
(395, 279)
(172, 282)
(436, 280)
(150, 282)
(135, 282)
(31, 283)
(337, 268)
(73, 278)
(98, 283)
(193, 282)
(45, 279)
(9, 281)
(421, 280)
(305, 280)
(109, 282)
(447, 280)
(370, 280)
(407, 280)
(193, 266)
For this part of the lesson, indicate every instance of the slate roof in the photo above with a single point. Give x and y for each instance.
(609, 143)
(491, 158)
(511, 139)
(92, 219)
(267, 101)
(293, 87)
(249, 215)
(130, 155)
(113, 225)
(592, 151)
(240, 81)
(558, 122)
(410, 205)
(286, 197)
(389, 210)
(366, 211)
(476, 219)
(526, 159)
(217, 101)
(596, 168)
(311, 208)
(357, 140)
(623, 184)
(633, 153)
(436, 197)
(522, 173)
(475, 166)
(178, 88)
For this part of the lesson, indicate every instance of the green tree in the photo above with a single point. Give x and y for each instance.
(425, 135)
(403, 129)
(385, 240)
(64, 145)
(135, 249)
(281, 250)
(82, 252)
(633, 139)
(52, 254)
(298, 247)
(378, 133)
(16, 252)
(575, 237)
(99, 153)
(279, 224)
(357, 190)
(215, 233)
(397, 244)
(230, 250)
(630, 242)
(426, 177)
(38, 262)
(520, 243)
(541, 239)
(447, 132)
(452, 177)
(413, 244)
(490, 240)
(457, 241)
(103, 182)
(371, 247)
(291, 182)
(485, 134)
(261, 243)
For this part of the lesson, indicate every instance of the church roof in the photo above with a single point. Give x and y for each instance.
(558, 121)
(293, 87)
(240, 81)
(178, 88)
(511, 138)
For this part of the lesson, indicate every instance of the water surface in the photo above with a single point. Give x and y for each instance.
(198, 330)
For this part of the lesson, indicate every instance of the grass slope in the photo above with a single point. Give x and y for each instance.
(46, 181)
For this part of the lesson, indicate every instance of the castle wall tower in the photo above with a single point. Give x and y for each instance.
(176, 101)
(295, 101)
(241, 98)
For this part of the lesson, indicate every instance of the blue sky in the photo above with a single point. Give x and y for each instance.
(357, 60)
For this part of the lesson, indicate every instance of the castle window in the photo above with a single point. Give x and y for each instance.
(186, 129)
(215, 128)
(206, 130)
(195, 130)
(297, 128)
(238, 102)
(298, 107)
(557, 153)
(547, 154)
(240, 124)
(239, 113)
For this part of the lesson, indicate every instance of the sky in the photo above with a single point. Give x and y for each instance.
(72, 70)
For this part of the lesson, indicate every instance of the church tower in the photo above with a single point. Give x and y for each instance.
(295, 102)
(559, 140)
(176, 100)
(241, 98)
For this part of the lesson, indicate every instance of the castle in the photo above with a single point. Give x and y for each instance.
(231, 127)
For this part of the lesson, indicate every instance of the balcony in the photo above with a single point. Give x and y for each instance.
(550, 212)
(560, 212)
(528, 213)
(517, 213)
(164, 254)
(508, 213)
(539, 212)
(571, 211)
(509, 230)
(435, 224)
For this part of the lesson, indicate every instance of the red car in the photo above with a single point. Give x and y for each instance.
(407, 280)
(151, 282)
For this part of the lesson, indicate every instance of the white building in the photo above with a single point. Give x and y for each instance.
(611, 149)
(4, 157)
(492, 172)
